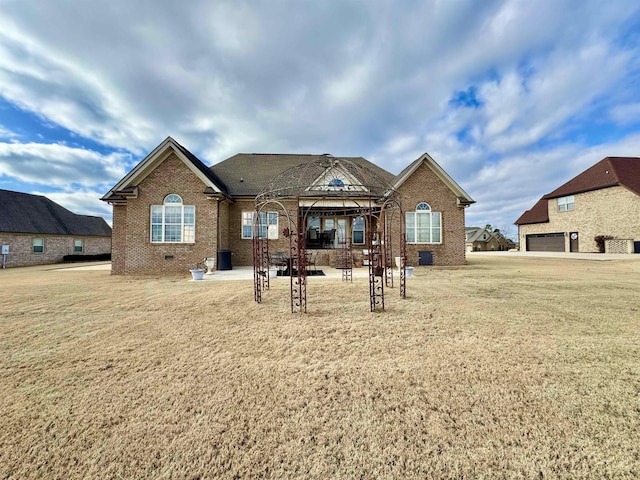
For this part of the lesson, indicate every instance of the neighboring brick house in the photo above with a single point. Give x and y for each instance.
(172, 211)
(37, 231)
(479, 239)
(604, 200)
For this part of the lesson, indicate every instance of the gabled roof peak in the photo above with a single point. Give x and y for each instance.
(464, 198)
(210, 180)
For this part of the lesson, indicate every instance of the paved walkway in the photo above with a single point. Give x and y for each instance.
(237, 273)
(246, 273)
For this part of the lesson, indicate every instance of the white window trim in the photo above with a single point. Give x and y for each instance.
(163, 223)
(75, 240)
(272, 230)
(422, 211)
(568, 205)
(33, 246)
(364, 231)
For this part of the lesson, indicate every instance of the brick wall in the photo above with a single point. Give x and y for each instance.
(133, 251)
(223, 225)
(119, 240)
(608, 211)
(55, 248)
(135, 254)
(243, 248)
(425, 186)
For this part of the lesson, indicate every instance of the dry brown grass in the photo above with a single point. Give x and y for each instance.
(505, 368)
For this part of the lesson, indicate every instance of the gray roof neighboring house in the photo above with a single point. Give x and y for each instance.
(35, 214)
(474, 234)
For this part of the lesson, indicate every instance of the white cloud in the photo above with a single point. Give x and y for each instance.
(373, 79)
(6, 134)
(59, 165)
(627, 114)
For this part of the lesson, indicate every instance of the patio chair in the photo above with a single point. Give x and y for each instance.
(313, 239)
(311, 260)
(279, 260)
(328, 238)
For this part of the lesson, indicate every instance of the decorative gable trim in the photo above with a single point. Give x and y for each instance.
(336, 178)
(127, 187)
(463, 198)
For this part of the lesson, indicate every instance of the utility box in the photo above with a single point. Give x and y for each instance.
(425, 257)
(224, 260)
(5, 249)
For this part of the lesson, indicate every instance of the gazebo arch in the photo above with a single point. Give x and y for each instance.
(333, 190)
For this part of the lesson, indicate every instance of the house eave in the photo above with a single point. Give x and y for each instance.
(149, 163)
(463, 198)
(464, 202)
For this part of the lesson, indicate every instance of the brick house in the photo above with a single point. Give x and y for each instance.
(172, 211)
(604, 200)
(37, 231)
(479, 239)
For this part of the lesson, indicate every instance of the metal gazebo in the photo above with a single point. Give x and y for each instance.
(331, 187)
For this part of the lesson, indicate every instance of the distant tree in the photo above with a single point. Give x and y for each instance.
(505, 230)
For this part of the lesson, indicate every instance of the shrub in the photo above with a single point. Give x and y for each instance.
(101, 257)
(600, 239)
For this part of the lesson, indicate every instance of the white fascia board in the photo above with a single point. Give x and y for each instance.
(141, 170)
(437, 169)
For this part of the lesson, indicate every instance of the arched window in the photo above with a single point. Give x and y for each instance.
(424, 225)
(336, 183)
(173, 222)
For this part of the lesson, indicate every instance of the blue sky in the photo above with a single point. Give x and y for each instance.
(511, 98)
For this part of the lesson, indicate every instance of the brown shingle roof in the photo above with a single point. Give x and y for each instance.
(199, 164)
(607, 172)
(249, 173)
(538, 214)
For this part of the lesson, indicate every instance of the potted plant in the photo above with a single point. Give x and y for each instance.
(210, 263)
(197, 272)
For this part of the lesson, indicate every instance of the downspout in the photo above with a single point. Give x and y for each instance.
(217, 228)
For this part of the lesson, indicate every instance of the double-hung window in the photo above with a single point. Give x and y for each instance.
(423, 225)
(566, 203)
(173, 222)
(267, 225)
(38, 245)
(77, 245)
(357, 228)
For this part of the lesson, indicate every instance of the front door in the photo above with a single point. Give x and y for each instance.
(573, 245)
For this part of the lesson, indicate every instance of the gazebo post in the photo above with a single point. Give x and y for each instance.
(298, 255)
